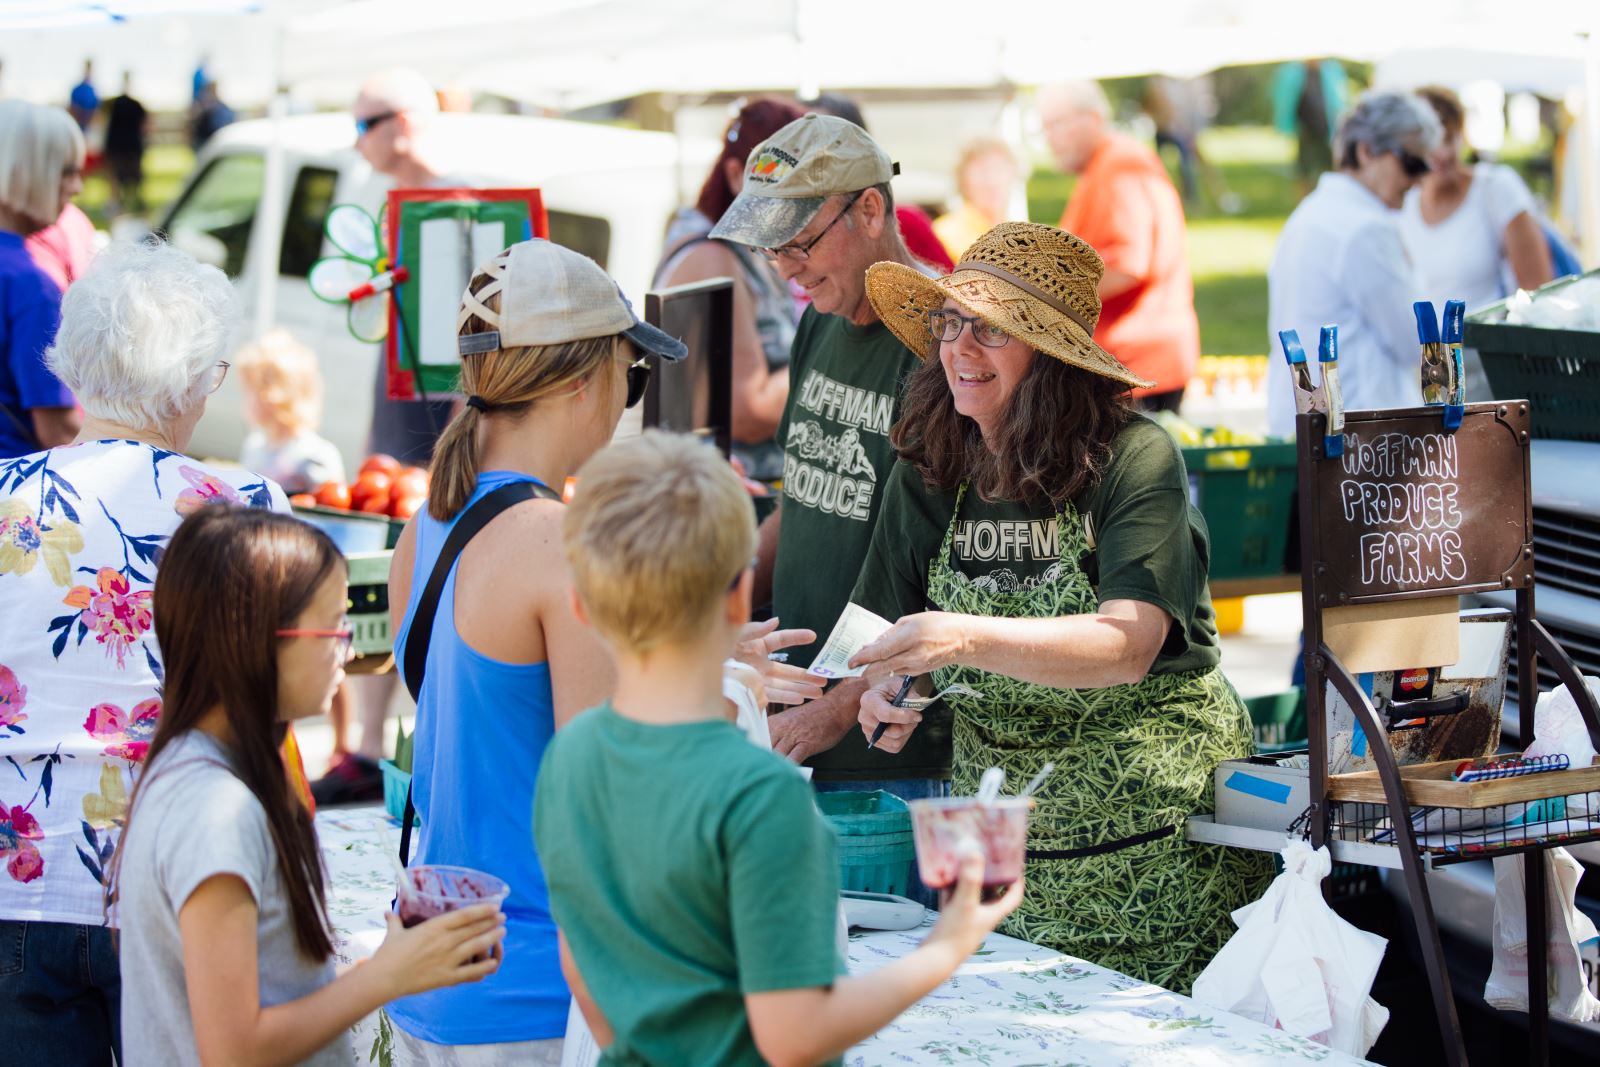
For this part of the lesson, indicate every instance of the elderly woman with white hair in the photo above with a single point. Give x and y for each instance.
(1340, 259)
(82, 529)
(41, 164)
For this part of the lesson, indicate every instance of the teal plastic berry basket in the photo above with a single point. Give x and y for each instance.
(396, 783)
(875, 843)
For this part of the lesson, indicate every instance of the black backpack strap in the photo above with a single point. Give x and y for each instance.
(415, 653)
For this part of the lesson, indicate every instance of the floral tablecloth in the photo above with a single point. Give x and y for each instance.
(1012, 1005)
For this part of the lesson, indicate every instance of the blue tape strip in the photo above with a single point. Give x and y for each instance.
(1250, 785)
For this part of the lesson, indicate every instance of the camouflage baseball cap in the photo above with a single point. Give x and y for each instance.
(792, 173)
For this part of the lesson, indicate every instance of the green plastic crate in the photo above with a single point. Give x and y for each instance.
(1278, 720)
(875, 841)
(369, 603)
(1245, 493)
(1557, 371)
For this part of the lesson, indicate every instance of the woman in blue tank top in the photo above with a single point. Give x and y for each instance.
(551, 354)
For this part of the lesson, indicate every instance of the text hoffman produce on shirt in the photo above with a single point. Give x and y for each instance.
(832, 472)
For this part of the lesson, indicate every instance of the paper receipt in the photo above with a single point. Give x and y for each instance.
(857, 627)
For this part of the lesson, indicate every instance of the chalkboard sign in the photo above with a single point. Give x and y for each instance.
(1410, 510)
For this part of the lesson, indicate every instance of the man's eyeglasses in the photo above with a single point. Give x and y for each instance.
(638, 380)
(1413, 166)
(366, 124)
(947, 325)
(803, 252)
(218, 373)
(344, 637)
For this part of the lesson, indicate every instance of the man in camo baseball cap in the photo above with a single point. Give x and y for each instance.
(791, 174)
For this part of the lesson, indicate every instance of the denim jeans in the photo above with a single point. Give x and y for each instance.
(907, 789)
(60, 994)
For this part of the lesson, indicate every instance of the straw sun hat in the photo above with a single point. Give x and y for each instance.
(1037, 283)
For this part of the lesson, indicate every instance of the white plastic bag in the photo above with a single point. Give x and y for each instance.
(1295, 965)
(1507, 987)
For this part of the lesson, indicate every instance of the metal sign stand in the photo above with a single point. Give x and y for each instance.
(1358, 551)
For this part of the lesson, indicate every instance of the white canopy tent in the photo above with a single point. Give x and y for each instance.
(571, 53)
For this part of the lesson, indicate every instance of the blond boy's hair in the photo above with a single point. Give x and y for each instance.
(658, 532)
(284, 376)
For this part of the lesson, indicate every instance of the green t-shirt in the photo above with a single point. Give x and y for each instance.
(686, 867)
(1151, 545)
(844, 395)
(845, 383)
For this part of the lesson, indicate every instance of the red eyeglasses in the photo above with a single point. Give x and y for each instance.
(344, 637)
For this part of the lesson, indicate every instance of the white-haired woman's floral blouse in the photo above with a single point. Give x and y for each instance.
(82, 529)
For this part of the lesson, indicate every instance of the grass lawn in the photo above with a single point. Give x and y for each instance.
(1228, 254)
(165, 168)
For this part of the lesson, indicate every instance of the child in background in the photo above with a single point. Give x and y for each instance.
(217, 885)
(283, 401)
(694, 882)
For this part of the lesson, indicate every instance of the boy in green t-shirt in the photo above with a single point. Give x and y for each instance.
(695, 884)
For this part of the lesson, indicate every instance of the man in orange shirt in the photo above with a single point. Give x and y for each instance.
(1126, 207)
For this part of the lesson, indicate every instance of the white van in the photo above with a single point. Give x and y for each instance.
(609, 193)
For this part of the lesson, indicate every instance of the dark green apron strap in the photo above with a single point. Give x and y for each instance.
(1101, 849)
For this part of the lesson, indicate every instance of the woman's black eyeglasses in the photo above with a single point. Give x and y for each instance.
(1413, 166)
(947, 326)
(803, 252)
(638, 380)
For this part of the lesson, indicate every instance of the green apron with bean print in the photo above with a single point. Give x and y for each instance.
(1110, 877)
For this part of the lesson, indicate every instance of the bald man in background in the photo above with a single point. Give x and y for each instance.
(1125, 205)
(393, 113)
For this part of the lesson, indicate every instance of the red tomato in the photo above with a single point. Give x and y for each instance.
(413, 481)
(371, 485)
(380, 461)
(334, 495)
(405, 505)
(304, 500)
(375, 503)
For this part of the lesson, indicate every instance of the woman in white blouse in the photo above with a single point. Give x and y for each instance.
(1340, 260)
(82, 532)
(1471, 229)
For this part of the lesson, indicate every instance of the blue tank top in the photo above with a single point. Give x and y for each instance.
(481, 730)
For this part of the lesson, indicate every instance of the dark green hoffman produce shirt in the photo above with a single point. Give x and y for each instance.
(845, 383)
(1152, 546)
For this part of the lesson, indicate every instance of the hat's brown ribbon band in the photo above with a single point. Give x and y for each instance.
(1027, 287)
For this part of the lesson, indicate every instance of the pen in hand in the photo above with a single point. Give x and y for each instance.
(905, 691)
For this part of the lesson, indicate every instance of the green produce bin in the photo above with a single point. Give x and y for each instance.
(1556, 371)
(875, 843)
(1278, 720)
(369, 603)
(1245, 493)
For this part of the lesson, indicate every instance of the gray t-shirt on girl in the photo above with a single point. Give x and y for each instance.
(195, 819)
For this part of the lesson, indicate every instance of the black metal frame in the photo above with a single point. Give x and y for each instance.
(1323, 668)
(673, 310)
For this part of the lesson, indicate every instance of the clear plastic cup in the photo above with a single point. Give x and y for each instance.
(431, 889)
(947, 828)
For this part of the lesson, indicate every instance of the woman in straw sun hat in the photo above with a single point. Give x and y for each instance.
(1037, 545)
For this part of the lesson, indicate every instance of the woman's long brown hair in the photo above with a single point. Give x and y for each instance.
(230, 578)
(1051, 446)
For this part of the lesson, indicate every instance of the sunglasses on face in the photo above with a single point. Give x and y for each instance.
(947, 325)
(367, 124)
(638, 380)
(1413, 166)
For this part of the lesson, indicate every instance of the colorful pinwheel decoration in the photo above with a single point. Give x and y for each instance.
(360, 275)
